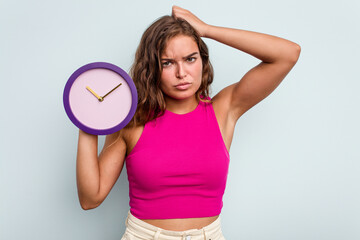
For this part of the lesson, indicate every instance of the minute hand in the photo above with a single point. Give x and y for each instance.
(111, 90)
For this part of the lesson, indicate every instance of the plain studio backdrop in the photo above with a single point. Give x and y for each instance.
(294, 158)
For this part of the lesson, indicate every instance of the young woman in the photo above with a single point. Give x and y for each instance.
(176, 148)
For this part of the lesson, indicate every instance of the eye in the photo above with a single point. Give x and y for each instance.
(191, 59)
(166, 64)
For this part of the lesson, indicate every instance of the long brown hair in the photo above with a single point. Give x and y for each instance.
(147, 68)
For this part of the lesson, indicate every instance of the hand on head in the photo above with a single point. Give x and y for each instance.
(195, 22)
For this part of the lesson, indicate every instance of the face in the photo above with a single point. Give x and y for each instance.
(181, 62)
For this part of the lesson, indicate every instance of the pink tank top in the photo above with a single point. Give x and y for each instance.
(179, 166)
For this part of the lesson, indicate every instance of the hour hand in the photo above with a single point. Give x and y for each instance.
(94, 93)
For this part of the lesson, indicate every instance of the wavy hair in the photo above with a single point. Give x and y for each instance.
(147, 68)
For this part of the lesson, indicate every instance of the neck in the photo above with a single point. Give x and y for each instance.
(181, 106)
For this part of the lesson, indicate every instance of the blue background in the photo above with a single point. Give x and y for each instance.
(294, 170)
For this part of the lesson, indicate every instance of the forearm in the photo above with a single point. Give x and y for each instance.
(265, 47)
(87, 169)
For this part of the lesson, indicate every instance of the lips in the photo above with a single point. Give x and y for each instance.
(180, 84)
(183, 86)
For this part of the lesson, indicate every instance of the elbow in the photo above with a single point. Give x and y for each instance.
(295, 53)
(88, 205)
(291, 55)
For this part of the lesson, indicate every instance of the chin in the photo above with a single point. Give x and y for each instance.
(181, 95)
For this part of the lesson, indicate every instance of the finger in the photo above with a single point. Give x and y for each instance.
(173, 11)
(178, 11)
(177, 8)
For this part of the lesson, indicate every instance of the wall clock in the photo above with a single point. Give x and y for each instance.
(100, 98)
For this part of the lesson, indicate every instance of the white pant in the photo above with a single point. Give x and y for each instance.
(136, 229)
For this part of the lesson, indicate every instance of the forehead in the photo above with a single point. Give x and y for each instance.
(180, 46)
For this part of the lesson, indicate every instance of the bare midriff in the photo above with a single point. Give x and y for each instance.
(181, 224)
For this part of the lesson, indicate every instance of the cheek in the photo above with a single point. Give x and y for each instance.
(198, 70)
(165, 80)
(165, 77)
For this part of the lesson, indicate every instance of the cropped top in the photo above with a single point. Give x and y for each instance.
(179, 166)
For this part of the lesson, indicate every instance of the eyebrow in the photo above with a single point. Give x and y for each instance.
(190, 55)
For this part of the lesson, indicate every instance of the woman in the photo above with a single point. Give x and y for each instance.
(177, 145)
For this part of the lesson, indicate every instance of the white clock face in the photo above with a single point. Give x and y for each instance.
(84, 102)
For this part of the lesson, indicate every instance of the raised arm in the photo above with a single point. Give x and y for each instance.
(97, 175)
(278, 57)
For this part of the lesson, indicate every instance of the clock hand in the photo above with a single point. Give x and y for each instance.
(111, 91)
(98, 97)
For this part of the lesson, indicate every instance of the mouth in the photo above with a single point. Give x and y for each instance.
(182, 84)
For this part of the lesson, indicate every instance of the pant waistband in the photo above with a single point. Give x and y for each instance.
(211, 231)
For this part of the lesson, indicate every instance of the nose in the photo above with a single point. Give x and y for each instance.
(180, 72)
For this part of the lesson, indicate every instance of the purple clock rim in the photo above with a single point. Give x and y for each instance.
(104, 65)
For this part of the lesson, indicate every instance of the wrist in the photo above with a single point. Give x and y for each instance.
(207, 31)
(86, 135)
